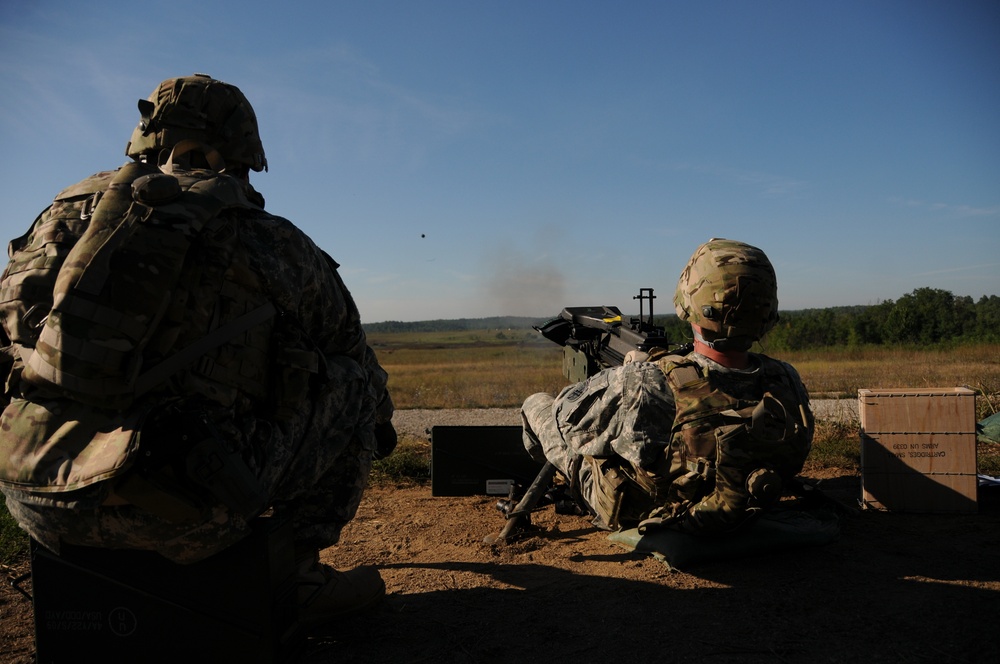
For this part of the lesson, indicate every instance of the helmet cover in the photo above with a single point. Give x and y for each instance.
(730, 289)
(200, 108)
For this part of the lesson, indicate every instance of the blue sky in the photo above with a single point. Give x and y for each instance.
(470, 159)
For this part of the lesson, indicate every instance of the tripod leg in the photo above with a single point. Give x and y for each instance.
(530, 500)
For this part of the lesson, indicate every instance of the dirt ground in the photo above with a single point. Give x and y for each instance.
(893, 588)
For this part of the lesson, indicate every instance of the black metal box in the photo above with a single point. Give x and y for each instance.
(468, 461)
(136, 606)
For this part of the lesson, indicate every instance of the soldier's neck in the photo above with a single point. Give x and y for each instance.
(730, 358)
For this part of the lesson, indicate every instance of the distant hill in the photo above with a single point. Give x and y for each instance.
(456, 324)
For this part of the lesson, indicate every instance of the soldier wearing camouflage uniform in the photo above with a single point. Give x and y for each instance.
(156, 320)
(702, 443)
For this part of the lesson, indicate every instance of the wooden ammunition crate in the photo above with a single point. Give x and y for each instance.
(918, 449)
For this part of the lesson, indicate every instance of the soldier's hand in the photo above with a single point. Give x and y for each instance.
(635, 356)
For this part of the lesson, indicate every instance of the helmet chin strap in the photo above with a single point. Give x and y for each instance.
(725, 344)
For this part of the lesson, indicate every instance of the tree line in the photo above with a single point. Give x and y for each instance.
(925, 317)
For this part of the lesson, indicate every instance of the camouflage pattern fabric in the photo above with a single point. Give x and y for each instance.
(732, 452)
(614, 437)
(118, 280)
(203, 109)
(303, 425)
(730, 288)
(37, 256)
(625, 413)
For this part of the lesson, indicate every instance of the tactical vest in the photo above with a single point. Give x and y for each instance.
(130, 280)
(729, 456)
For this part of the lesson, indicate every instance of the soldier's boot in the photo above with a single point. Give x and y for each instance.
(325, 593)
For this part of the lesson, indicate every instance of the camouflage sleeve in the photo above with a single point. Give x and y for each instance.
(304, 280)
(627, 410)
(803, 391)
(346, 336)
(805, 415)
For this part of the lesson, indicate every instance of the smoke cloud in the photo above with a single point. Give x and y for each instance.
(518, 285)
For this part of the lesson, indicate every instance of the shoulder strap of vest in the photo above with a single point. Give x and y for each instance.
(681, 371)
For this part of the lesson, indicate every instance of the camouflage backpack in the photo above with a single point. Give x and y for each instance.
(730, 457)
(93, 301)
(117, 282)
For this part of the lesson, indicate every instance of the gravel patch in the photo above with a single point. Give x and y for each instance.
(835, 409)
(418, 422)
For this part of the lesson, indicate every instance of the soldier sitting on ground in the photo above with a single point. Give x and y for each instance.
(701, 443)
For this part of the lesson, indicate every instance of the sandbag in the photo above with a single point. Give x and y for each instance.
(988, 429)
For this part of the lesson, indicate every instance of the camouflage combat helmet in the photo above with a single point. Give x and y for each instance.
(728, 288)
(201, 108)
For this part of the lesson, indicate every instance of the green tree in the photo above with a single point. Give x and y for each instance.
(925, 316)
(987, 319)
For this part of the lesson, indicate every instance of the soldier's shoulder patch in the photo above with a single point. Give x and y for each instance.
(577, 392)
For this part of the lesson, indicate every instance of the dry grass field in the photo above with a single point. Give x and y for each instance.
(497, 369)
(472, 369)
